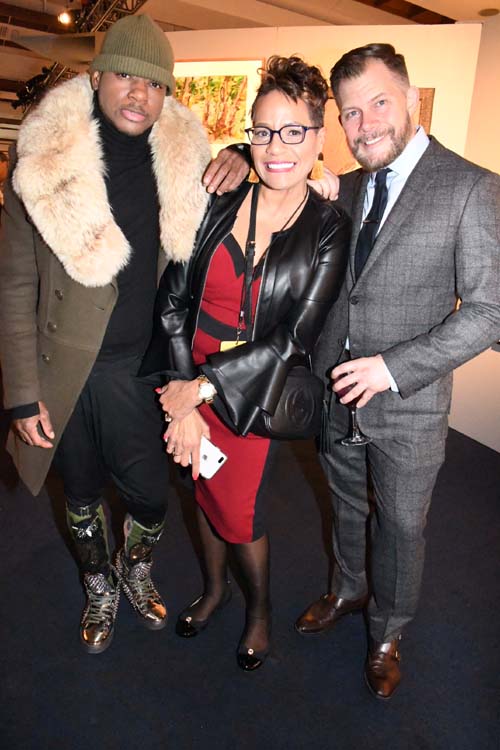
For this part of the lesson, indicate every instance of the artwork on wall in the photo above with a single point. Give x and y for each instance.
(221, 93)
(423, 114)
(338, 158)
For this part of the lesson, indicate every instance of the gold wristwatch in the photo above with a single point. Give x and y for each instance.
(206, 390)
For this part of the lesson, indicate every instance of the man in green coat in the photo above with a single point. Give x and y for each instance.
(106, 188)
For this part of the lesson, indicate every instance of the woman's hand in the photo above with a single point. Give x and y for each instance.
(183, 438)
(179, 397)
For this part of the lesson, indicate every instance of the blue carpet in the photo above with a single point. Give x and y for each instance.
(155, 690)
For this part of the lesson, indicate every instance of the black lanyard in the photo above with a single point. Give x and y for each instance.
(245, 316)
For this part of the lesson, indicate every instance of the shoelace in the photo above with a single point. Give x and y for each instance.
(102, 603)
(139, 580)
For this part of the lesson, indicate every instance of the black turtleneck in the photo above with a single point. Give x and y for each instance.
(133, 199)
(132, 195)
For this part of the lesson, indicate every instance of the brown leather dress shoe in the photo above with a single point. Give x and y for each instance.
(382, 673)
(324, 613)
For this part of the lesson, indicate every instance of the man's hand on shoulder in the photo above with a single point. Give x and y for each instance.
(367, 375)
(226, 172)
(32, 430)
(327, 186)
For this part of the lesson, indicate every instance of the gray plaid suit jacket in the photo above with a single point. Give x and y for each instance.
(440, 242)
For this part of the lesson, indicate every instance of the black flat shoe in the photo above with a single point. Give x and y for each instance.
(250, 660)
(187, 626)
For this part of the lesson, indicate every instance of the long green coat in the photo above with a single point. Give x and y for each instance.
(60, 250)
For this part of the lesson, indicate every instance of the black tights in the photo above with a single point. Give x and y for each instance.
(253, 561)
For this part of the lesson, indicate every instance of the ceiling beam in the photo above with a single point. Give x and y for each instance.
(30, 19)
(6, 84)
(337, 12)
(411, 11)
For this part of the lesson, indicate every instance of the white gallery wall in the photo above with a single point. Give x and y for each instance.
(442, 57)
(448, 58)
(476, 399)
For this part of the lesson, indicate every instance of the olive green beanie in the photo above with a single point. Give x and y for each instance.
(136, 45)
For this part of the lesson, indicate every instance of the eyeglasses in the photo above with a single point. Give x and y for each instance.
(289, 134)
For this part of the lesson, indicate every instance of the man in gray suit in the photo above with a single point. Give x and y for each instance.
(426, 235)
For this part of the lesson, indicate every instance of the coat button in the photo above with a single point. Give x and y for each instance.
(46, 358)
(59, 294)
(354, 300)
(52, 327)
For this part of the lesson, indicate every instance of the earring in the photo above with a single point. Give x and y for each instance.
(253, 176)
(317, 172)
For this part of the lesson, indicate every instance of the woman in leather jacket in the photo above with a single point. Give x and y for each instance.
(275, 303)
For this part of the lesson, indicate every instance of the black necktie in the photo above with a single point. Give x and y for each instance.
(368, 232)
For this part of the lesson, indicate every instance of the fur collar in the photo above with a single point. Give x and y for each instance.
(59, 176)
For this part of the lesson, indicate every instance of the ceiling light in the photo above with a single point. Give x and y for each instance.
(70, 12)
(489, 12)
(65, 18)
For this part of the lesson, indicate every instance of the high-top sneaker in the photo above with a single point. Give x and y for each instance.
(98, 618)
(133, 563)
(87, 525)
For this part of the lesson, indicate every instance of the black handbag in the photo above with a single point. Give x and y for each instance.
(299, 410)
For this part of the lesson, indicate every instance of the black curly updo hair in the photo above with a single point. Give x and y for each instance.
(297, 80)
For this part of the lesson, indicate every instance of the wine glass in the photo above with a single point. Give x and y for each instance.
(354, 436)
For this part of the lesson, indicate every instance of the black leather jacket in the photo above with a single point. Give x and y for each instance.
(302, 274)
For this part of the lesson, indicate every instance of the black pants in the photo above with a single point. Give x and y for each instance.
(116, 431)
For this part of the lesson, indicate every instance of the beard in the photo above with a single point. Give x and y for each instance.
(396, 145)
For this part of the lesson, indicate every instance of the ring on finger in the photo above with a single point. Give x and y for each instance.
(167, 417)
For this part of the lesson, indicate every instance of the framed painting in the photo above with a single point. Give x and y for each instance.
(337, 155)
(424, 112)
(221, 93)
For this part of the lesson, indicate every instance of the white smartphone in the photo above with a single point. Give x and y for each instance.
(211, 458)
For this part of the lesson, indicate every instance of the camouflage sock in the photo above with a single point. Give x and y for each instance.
(139, 539)
(88, 528)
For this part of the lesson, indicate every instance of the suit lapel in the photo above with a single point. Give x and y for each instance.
(407, 203)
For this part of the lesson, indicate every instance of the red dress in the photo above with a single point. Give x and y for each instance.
(232, 498)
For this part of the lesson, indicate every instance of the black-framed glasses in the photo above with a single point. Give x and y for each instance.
(289, 134)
